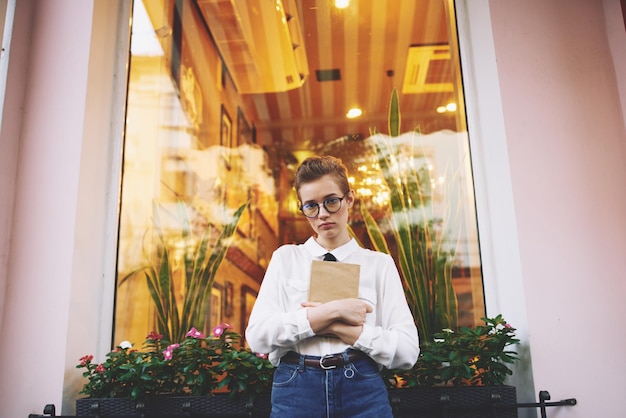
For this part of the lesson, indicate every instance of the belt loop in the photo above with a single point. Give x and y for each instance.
(301, 365)
(348, 368)
(346, 357)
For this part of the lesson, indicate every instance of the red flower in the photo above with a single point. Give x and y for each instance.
(85, 360)
(100, 369)
(154, 336)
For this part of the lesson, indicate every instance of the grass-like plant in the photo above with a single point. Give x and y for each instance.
(423, 252)
(198, 271)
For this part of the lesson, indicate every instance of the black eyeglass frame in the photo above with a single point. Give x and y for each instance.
(318, 204)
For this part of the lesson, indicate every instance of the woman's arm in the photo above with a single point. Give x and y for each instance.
(276, 322)
(393, 340)
(348, 311)
(348, 334)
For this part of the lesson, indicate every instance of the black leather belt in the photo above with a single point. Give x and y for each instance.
(329, 361)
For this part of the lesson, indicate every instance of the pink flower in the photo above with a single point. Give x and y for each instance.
(168, 353)
(194, 333)
(85, 360)
(100, 369)
(219, 330)
(263, 356)
(154, 336)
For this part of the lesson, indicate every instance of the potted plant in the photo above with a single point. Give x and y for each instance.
(464, 369)
(209, 373)
(197, 375)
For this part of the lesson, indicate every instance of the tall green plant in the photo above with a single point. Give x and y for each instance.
(424, 260)
(175, 318)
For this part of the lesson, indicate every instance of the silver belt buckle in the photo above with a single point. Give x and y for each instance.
(322, 362)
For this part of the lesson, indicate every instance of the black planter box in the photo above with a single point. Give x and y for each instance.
(217, 405)
(455, 402)
(440, 402)
(109, 406)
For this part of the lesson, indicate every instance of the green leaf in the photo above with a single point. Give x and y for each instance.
(394, 114)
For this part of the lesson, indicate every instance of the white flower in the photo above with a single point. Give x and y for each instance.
(125, 344)
(439, 340)
(448, 330)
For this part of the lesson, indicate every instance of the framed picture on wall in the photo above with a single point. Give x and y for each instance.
(226, 134)
(245, 134)
(214, 314)
(228, 299)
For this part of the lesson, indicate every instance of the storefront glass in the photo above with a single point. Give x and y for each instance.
(226, 97)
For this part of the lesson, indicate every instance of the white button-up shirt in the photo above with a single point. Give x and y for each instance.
(279, 324)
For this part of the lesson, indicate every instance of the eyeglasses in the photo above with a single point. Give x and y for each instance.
(332, 205)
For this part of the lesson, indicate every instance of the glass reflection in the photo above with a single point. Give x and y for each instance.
(225, 98)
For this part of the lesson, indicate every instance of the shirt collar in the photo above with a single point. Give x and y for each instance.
(340, 253)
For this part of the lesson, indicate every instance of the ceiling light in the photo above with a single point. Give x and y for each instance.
(450, 107)
(355, 112)
(342, 4)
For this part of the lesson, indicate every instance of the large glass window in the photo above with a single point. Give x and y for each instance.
(226, 97)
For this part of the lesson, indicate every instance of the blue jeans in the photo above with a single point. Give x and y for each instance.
(354, 390)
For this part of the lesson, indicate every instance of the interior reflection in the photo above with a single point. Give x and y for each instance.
(226, 97)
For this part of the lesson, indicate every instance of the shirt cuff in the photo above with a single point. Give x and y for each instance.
(303, 324)
(364, 342)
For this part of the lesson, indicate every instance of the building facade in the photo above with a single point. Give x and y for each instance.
(545, 86)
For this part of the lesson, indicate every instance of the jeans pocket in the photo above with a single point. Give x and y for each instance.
(365, 369)
(284, 375)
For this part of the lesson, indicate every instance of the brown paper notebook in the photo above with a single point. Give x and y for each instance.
(333, 280)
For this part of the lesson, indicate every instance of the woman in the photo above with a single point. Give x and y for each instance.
(329, 354)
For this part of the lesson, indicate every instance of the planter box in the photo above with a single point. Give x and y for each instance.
(109, 406)
(454, 402)
(448, 402)
(219, 404)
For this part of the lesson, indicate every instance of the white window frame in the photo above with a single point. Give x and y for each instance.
(500, 253)
(7, 13)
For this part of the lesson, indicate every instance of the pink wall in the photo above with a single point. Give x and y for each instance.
(567, 145)
(62, 122)
(36, 310)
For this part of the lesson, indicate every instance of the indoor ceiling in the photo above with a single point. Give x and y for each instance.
(354, 57)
